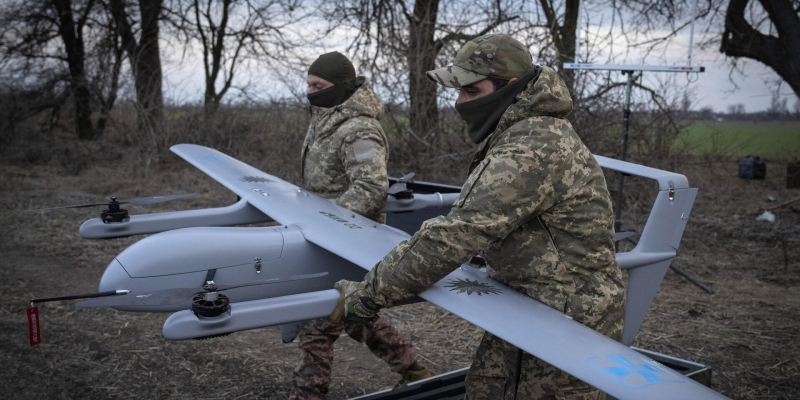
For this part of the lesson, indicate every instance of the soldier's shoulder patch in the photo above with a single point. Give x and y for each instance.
(364, 149)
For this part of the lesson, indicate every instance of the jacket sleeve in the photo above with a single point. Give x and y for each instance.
(509, 187)
(364, 156)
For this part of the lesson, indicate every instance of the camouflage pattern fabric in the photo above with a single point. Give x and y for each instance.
(345, 152)
(344, 157)
(312, 376)
(494, 55)
(536, 207)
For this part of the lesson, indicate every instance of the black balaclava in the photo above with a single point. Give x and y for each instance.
(482, 115)
(335, 68)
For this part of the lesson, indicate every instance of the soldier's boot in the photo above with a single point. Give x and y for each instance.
(414, 373)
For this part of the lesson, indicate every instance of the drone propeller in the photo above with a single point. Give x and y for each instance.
(400, 190)
(137, 201)
(622, 235)
(77, 206)
(144, 201)
(167, 297)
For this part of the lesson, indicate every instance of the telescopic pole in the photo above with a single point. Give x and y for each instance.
(625, 123)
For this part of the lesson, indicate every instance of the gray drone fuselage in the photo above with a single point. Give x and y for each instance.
(186, 246)
(183, 257)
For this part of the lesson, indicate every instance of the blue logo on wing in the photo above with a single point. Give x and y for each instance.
(210, 158)
(631, 372)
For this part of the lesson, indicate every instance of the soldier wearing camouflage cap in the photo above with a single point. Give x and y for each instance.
(344, 158)
(535, 207)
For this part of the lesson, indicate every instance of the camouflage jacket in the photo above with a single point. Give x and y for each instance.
(345, 152)
(535, 206)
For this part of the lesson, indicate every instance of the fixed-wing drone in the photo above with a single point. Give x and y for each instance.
(219, 279)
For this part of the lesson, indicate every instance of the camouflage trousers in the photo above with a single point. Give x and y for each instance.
(313, 375)
(493, 374)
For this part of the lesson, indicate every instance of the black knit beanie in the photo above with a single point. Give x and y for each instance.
(335, 68)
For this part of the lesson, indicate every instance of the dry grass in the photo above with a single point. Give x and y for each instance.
(748, 330)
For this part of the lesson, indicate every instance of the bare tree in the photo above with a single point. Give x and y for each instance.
(563, 31)
(74, 34)
(233, 32)
(778, 105)
(767, 31)
(145, 58)
(71, 34)
(778, 48)
(394, 32)
(104, 73)
(736, 109)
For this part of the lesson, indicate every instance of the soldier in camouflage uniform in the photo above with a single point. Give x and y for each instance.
(344, 158)
(535, 207)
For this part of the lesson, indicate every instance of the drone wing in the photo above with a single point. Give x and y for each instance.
(469, 293)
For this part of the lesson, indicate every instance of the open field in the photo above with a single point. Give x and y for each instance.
(748, 331)
(742, 138)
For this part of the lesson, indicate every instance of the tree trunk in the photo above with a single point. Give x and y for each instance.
(422, 51)
(73, 44)
(781, 53)
(107, 103)
(564, 37)
(145, 62)
(210, 107)
(147, 71)
(214, 46)
(566, 49)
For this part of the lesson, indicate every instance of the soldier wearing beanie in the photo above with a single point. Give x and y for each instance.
(535, 207)
(344, 158)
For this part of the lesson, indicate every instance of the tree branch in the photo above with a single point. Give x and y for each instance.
(462, 37)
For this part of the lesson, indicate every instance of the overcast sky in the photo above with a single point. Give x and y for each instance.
(755, 82)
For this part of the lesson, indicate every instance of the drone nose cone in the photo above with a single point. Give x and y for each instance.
(115, 277)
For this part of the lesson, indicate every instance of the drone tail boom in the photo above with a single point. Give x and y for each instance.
(252, 314)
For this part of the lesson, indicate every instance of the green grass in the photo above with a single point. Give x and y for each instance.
(742, 138)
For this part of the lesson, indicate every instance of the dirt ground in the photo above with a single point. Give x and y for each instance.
(747, 330)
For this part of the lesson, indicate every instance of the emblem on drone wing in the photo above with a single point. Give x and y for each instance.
(469, 287)
(254, 179)
(631, 372)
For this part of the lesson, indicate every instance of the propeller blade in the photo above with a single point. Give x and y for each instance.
(622, 235)
(78, 206)
(143, 201)
(397, 188)
(401, 186)
(409, 177)
(167, 297)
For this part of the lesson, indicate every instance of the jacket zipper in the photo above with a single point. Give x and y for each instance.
(550, 235)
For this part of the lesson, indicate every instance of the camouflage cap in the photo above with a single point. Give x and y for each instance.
(494, 55)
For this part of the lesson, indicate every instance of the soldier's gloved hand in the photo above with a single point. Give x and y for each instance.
(355, 305)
